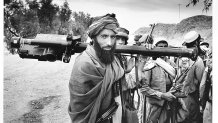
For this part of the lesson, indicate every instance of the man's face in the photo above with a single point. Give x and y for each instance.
(120, 40)
(184, 63)
(204, 46)
(162, 45)
(191, 45)
(106, 39)
(104, 46)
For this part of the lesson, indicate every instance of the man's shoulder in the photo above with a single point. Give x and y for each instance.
(82, 59)
(173, 64)
(149, 66)
(199, 62)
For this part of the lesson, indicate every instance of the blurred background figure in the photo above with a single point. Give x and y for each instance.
(204, 46)
(128, 86)
(122, 36)
(206, 90)
(156, 83)
(190, 111)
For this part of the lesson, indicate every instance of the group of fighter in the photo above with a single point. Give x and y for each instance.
(101, 89)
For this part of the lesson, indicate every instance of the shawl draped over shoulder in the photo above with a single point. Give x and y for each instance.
(89, 86)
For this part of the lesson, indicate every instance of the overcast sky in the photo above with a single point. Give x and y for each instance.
(133, 14)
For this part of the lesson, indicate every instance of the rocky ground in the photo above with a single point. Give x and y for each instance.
(35, 91)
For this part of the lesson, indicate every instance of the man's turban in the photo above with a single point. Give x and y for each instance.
(122, 32)
(103, 22)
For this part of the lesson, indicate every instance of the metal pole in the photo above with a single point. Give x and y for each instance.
(179, 11)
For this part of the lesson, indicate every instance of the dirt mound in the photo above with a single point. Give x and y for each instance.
(173, 33)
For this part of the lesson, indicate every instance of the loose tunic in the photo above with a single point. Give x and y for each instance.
(156, 80)
(90, 86)
(191, 109)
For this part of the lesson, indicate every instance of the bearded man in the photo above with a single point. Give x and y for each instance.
(95, 72)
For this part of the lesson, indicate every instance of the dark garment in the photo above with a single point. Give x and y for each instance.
(129, 116)
(129, 111)
(127, 96)
(191, 88)
(207, 114)
(193, 107)
(158, 114)
(123, 60)
(91, 86)
(154, 81)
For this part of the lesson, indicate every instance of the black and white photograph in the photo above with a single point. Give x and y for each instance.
(108, 61)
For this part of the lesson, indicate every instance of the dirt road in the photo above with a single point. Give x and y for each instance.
(36, 91)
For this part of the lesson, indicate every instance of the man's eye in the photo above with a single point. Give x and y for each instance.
(117, 38)
(104, 36)
(113, 37)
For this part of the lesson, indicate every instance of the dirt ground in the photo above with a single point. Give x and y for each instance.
(35, 91)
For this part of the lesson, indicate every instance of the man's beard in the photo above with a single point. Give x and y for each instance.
(105, 56)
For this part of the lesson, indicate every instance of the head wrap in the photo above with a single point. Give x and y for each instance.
(107, 21)
(161, 41)
(205, 43)
(204, 46)
(191, 37)
(122, 32)
(137, 37)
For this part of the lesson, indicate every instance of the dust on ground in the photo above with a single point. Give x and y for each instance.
(36, 91)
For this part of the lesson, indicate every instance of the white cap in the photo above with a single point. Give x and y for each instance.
(190, 37)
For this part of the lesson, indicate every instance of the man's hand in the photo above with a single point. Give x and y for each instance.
(168, 96)
(149, 46)
(147, 41)
(130, 64)
(177, 87)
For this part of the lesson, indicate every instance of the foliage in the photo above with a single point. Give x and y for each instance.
(46, 14)
(33, 4)
(65, 12)
(64, 15)
(41, 16)
(207, 4)
(82, 18)
(83, 21)
(13, 16)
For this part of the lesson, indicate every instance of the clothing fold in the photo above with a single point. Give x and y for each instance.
(90, 92)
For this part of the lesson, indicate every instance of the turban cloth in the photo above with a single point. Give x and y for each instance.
(104, 22)
(122, 32)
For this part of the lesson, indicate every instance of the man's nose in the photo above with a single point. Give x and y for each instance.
(119, 42)
(109, 41)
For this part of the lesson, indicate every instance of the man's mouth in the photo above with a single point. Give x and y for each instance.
(107, 48)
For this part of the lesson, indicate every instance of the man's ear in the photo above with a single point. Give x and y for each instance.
(91, 42)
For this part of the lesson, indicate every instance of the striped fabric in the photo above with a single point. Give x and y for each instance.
(105, 22)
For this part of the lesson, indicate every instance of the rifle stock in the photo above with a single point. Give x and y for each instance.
(51, 47)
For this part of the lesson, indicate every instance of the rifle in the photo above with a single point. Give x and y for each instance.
(143, 40)
(178, 81)
(52, 47)
(146, 38)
